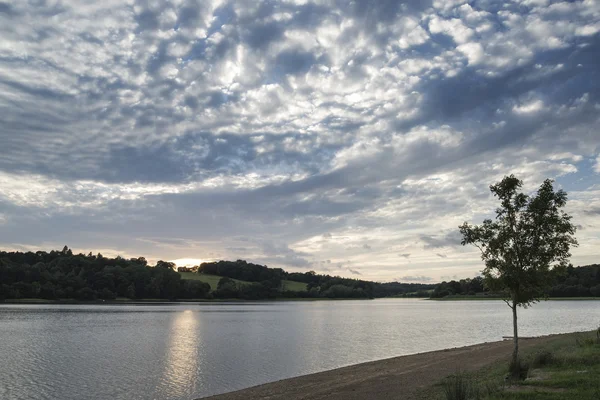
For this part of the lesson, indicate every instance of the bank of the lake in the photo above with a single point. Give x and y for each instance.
(422, 376)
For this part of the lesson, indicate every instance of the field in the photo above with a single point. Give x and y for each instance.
(294, 286)
(213, 281)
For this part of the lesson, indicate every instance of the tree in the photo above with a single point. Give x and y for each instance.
(226, 289)
(530, 239)
(165, 264)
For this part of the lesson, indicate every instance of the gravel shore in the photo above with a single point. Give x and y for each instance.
(394, 378)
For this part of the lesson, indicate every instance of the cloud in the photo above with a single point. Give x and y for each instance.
(212, 130)
(415, 278)
(449, 239)
(592, 212)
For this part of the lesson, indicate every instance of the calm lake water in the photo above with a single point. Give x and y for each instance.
(186, 351)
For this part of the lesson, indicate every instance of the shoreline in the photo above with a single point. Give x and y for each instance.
(285, 299)
(164, 301)
(407, 377)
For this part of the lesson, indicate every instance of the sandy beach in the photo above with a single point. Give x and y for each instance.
(404, 377)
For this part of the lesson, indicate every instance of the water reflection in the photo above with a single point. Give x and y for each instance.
(182, 366)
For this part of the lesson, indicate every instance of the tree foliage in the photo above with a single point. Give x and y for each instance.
(529, 237)
(528, 241)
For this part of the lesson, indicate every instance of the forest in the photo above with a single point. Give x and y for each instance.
(58, 275)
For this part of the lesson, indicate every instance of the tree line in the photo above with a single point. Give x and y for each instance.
(581, 281)
(61, 274)
(318, 285)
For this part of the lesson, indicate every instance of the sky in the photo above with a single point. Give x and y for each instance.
(346, 137)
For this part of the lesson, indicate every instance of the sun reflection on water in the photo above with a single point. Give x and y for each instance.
(182, 373)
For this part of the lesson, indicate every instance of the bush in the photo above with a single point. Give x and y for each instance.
(518, 370)
(86, 294)
(542, 358)
(458, 387)
(107, 294)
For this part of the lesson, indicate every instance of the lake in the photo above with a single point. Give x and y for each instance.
(185, 351)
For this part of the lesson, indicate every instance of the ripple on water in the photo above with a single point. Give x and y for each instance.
(179, 352)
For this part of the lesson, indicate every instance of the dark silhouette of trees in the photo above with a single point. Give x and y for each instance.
(583, 281)
(64, 275)
(529, 237)
(462, 287)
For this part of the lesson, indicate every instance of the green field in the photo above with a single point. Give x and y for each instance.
(294, 286)
(213, 281)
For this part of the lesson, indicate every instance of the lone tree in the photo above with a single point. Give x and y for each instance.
(527, 243)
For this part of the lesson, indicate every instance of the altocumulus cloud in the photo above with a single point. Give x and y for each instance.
(294, 130)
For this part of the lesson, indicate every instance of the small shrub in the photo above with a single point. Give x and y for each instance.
(518, 370)
(458, 387)
(542, 359)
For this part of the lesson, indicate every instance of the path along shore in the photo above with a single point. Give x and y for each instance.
(401, 378)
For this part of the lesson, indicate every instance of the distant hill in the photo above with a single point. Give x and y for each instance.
(297, 284)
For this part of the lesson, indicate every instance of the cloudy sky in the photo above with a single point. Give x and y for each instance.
(345, 137)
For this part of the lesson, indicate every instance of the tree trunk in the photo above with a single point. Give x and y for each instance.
(515, 354)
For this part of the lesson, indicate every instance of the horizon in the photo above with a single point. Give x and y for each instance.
(189, 262)
(351, 139)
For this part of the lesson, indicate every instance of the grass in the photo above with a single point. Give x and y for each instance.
(567, 368)
(213, 281)
(458, 387)
(294, 286)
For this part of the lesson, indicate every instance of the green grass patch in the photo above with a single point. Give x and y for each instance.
(294, 286)
(213, 281)
(566, 368)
